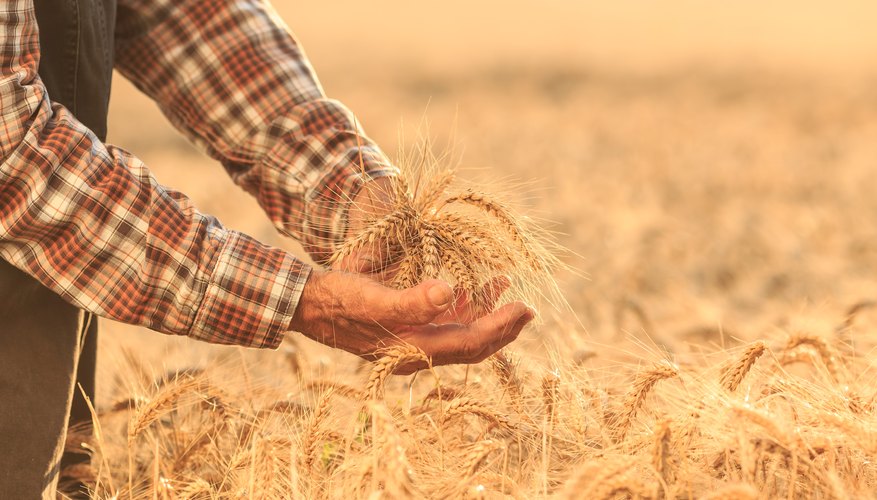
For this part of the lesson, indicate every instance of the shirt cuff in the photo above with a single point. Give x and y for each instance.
(252, 294)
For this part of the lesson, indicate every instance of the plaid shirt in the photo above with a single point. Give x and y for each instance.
(89, 220)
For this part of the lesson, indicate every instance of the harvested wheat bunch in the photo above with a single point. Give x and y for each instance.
(463, 235)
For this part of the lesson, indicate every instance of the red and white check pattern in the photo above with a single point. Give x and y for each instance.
(90, 221)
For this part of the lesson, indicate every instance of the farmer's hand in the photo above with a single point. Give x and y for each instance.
(361, 316)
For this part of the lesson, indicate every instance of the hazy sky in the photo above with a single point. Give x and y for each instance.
(814, 35)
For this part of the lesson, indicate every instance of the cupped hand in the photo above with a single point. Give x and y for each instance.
(359, 315)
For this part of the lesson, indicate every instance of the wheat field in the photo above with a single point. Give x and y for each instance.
(710, 175)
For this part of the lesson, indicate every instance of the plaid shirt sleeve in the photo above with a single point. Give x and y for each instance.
(231, 77)
(90, 222)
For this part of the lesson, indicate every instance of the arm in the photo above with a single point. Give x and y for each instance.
(231, 77)
(91, 223)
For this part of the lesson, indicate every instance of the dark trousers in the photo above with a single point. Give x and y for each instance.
(45, 344)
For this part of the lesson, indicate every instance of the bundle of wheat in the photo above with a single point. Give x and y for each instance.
(436, 230)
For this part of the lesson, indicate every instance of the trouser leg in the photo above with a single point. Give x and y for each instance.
(39, 349)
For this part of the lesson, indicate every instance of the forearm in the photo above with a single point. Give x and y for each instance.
(91, 223)
(248, 94)
(101, 232)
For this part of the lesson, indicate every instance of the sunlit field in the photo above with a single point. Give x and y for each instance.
(710, 170)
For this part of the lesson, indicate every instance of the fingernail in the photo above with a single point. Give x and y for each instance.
(440, 295)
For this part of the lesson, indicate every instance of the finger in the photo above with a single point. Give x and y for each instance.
(500, 328)
(466, 311)
(456, 343)
(409, 368)
(506, 340)
(418, 305)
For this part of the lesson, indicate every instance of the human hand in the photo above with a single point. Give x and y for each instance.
(356, 314)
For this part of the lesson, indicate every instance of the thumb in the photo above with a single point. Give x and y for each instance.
(420, 304)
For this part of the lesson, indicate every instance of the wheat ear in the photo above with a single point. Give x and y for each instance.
(500, 213)
(383, 230)
(312, 433)
(465, 405)
(477, 453)
(642, 386)
(661, 452)
(146, 414)
(826, 352)
(393, 358)
(734, 374)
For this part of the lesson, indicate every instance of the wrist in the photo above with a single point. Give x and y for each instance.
(312, 303)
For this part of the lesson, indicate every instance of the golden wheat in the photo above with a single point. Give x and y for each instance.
(734, 374)
(436, 237)
(391, 359)
(642, 385)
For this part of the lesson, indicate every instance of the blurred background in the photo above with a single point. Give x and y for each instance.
(710, 164)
